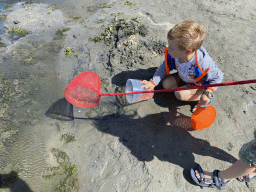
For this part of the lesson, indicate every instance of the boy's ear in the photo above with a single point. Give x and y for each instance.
(189, 51)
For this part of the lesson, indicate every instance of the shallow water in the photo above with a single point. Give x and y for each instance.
(81, 8)
(29, 89)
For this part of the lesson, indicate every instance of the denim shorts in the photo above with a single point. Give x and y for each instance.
(248, 153)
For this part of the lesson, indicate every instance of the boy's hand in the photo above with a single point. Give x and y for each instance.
(204, 99)
(147, 85)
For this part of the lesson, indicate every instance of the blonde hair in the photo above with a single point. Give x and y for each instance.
(188, 35)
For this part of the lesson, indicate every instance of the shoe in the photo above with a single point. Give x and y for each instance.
(247, 178)
(201, 106)
(214, 182)
(218, 183)
(202, 181)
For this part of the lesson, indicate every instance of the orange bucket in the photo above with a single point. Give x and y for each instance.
(203, 117)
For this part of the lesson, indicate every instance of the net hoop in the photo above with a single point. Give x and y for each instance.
(87, 85)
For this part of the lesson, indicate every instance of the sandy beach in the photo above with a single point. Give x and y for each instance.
(148, 146)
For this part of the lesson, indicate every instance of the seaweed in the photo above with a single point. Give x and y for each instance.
(75, 17)
(52, 7)
(8, 6)
(107, 6)
(107, 36)
(17, 30)
(3, 16)
(137, 19)
(98, 112)
(129, 4)
(69, 52)
(68, 137)
(30, 2)
(1, 43)
(66, 170)
(59, 127)
(61, 31)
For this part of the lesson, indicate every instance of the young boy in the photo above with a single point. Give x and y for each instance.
(194, 66)
(244, 169)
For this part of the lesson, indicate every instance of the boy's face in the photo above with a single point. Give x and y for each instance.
(174, 51)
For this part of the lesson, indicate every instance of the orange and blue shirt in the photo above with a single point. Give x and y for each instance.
(206, 71)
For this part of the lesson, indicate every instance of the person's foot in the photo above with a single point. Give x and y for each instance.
(247, 178)
(207, 175)
(195, 107)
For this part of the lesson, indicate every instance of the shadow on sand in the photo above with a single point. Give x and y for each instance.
(13, 182)
(165, 135)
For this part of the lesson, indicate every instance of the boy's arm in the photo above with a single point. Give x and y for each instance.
(159, 74)
(214, 77)
(154, 81)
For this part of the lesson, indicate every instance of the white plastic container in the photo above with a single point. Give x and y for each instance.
(133, 85)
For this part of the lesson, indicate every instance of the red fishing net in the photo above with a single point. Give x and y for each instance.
(84, 90)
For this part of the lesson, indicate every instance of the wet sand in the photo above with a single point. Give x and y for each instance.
(148, 146)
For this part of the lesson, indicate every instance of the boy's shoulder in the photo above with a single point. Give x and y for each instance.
(204, 59)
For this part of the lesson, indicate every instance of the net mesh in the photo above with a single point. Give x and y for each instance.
(84, 90)
(83, 95)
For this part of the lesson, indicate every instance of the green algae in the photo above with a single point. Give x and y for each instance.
(52, 7)
(59, 127)
(107, 6)
(61, 31)
(17, 30)
(69, 52)
(76, 18)
(30, 2)
(104, 84)
(137, 19)
(3, 16)
(129, 4)
(93, 111)
(1, 43)
(107, 36)
(68, 137)
(8, 6)
(65, 172)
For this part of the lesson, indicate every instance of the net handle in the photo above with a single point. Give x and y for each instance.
(184, 88)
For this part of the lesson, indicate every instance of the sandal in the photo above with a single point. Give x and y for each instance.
(218, 183)
(215, 182)
(247, 178)
(201, 106)
(202, 181)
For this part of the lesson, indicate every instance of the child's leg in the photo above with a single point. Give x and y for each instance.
(189, 95)
(170, 83)
(173, 81)
(238, 169)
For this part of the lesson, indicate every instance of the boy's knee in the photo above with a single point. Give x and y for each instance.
(166, 83)
(180, 95)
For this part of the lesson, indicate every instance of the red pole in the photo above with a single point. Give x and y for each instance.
(185, 88)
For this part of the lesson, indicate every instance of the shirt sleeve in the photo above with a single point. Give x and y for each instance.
(214, 76)
(159, 74)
